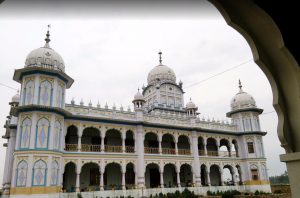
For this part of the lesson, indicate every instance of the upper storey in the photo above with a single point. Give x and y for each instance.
(162, 91)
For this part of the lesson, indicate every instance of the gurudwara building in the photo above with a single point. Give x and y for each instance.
(54, 148)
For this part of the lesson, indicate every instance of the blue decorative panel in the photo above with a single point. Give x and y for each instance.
(56, 135)
(59, 96)
(29, 92)
(54, 173)
(39, 173)
(45, 93)
(21, 173)
(25, 133)
(42, 133)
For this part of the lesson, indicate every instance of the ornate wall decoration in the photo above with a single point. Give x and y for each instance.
(21, 173)
(42, 133)
(39, 173)
(25, 132)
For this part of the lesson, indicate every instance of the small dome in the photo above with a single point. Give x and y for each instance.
(138, 96)
(45, 57)
(161, 73)
(242, 100)
(191, 105)
(16, 98)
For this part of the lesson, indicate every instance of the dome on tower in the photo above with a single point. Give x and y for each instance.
(161, 73)
(45, 57)
(242, 100)
(16, 98)
(138, 96)
(191, 105)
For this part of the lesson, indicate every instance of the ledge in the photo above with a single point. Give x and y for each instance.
(288, 157)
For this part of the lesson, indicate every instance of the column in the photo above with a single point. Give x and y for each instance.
(176, 148)
(178, 178)
(79, 143)
(161, 179)
(218, 146)
(229, 150)
(36, 89)
(196, 168)
(123, 181)
(123, 140)
(208, 178)
(102, 139)
(222, 177)
(140, 154)
(205, 149)
(101, 180)
(159, 143)
(33, 131)
(77, 182)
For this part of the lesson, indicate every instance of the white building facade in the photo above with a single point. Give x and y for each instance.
(55, 148)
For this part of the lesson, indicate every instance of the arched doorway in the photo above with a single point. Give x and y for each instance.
(90, 177)
(215, 175)
(201, 148)
(228, 175)
(224, 148)
(211, 147)
(186, 175)
(91, 140)
(69, 177)
(168, 144)
(113, 177)
(130, 176)
(71, 139)
(204, 175)
(152, 176)
(183, 145)
(170, 176)
(129, 142)
(113, 141)
(151, 143)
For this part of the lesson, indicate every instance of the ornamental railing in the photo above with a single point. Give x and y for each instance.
(201, 152)
(90, 148)
(212, 153)
(113, 149)
(71, 147)
(169, 151)
(129, 149)
(151, 150)
(184, 151)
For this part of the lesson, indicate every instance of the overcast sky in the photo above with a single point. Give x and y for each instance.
(109, 57)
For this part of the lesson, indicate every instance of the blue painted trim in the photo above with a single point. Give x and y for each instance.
(24, 96)
(39, 95)
(51, 96)
(35, 139)
(33, 173)
(36, 132)
(21, 135)
(49, 129)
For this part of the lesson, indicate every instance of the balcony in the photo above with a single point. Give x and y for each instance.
(151, 150)
(90, 148)
(212, 153)
(201, 152)
(168, 151)
(184, 152)
(71, 147)
(113, 149)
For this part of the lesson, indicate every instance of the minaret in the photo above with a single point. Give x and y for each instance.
(40, 120)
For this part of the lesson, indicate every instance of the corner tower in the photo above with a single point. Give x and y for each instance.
(39, 133)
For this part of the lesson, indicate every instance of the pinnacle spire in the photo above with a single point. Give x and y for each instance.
(47, 39)
(160, 59)
(240, 85)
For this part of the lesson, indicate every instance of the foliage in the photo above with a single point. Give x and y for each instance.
(281, 179)
(79, 195)
(184, 194)
(224, 194)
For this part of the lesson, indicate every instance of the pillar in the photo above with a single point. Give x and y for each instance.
(196, 168)
(101, 180)
(79, 143)
(222, 177)
(123, 140)
(161, 179)
(178, 178)
(77, 182)
(159, 143)
(176, 147)
(123, 181)
(208, 178)
(140, 157)
(102, 133)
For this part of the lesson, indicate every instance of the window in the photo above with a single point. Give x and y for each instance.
(254, 173)
(250, 147)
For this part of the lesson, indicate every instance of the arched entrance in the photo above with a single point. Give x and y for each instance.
(186, 175)
(183, 145)
(91, 140)
(71, 139)
(170, 176)
(113, 141)
(152, 176)
(130, 176)
(151, 143)
(229, 176)
(224, 149)
(69, 177)
(215, 175)
(168, 144)
(201, 147)
(211, 147)
(113, 177)
(90, 177)
(129, 142)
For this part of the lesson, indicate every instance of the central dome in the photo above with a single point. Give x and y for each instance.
(242, 100)
(161, 73)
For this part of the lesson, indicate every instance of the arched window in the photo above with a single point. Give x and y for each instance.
(21, 174)
(25, 133)
(42, 133)
(28, 93)
(54, 173)
(60, 96)
(56, 135)
(45, 93)
(254, 172)
(39, 173)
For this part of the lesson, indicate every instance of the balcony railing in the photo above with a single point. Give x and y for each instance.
(201, 152)
(184, 151)
(71, 147)
(90, 148)
(151, 150)
(169, 151)
(113, 149)
(129, 149)
(212, 153)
